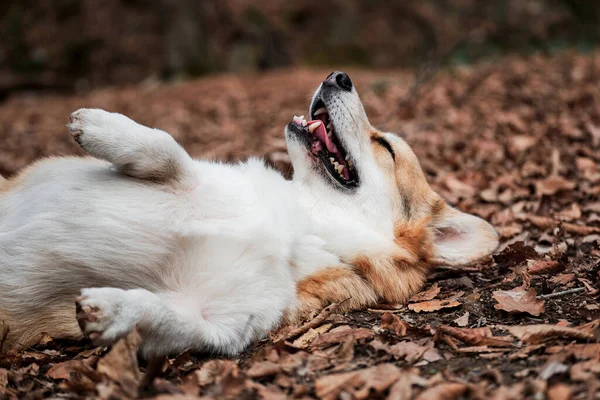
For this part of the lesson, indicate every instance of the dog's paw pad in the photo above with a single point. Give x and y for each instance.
(100, 315)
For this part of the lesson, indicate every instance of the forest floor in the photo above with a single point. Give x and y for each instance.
(516, 142)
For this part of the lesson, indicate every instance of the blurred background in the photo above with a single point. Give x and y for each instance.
(62, 45)
(481, 89)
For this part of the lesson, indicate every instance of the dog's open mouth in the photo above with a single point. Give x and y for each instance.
(326, 146)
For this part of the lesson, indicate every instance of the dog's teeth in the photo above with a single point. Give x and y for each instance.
(329, 125)
(329, 133)
(347, 157)
(339, 169)
(320, 111)
(314, 126)
(331, 160)
(303, 122)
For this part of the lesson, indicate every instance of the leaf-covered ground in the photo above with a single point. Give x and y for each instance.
(516, 142)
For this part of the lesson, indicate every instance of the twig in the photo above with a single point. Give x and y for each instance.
(316, 321)
(557, 294)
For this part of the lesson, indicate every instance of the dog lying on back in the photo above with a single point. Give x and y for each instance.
(210, 256)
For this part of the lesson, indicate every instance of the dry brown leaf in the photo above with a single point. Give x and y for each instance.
(570, 213)
(409, 351)
(519, 302)
(402, 389)
(560, 391)
(538, 267)
(63, 370)
(463, 320)
(476, 336)
(562, 279)
(577, 350)
(426, 295)
(444, 391)
(433, 305)
(552, 185)
(316, 321)
(338, 334)
(538, 333)
(120, 366)
(3, 378)
(211, 371)
(459, 188)
(393, 323)
(586, 370)
(550, 223)
(263, 368)
(589, 288)
(520, 143)
(306, 339)
(358, 384)
(345, 353)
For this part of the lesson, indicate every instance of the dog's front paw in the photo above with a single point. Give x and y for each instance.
(104, 314)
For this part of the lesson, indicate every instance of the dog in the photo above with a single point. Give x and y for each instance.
(209, 256)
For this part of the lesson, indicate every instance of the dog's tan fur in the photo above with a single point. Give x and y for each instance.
(392, 277)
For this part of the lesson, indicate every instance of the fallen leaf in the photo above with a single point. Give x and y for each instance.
(552, 185)
(306, 339)
(519, 302)
(392, 322)
(357, 384)
(538, 267)
(476, 336)
(570, 213)
(426, 295)
(444, 391)
(586, 370)
(63, 370)
(211, 371)
(550, 223)
(316, 321)
(562, 279)
(409, 351)
(402, 389)
(120, 365)
(579, 351)
(560, 391)
(458, 188)
(338, 334)
(538, 333)
(345, 353)
(262, 369)
(589, 288)
(433, 305)
(463, 320)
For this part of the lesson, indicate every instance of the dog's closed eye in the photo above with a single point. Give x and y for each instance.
(386, 145)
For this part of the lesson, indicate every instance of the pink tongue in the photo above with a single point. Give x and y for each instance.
(321, 134)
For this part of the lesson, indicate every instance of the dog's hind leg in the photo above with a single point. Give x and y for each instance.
(137, 150)
(168, 322)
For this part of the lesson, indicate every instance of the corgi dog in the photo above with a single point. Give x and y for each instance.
(209, 256)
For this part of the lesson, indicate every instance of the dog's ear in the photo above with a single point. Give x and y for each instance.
(460, 238)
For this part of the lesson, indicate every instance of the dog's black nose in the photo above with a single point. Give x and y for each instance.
(340, 79)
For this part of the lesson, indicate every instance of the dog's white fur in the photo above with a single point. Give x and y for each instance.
(196, 254)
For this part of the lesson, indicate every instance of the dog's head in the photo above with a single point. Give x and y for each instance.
(365, 187)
